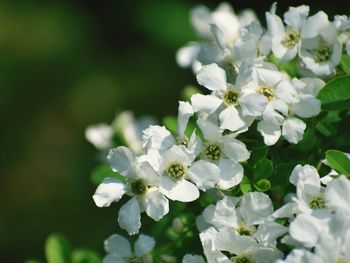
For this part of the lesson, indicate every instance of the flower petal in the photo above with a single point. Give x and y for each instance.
(205, 103)
(293, 129)
(230, 119)
(121, 159)
(184, 113)
(110, 190)
(182, 190)
(143, 245)
(231, 174)
(118, 245)
(235, 149)
(212, 77)
(156, 204)
(129, 217)
(204, 174)
(270, 131)
(211, 132)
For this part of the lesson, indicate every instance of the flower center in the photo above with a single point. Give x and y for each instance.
(291, 38)
(244, 258)
(226, 132)
(176, 171)
(267, 91)
(213, 152)
(244, 231)
(317, 202)
(323, 52)
(231, 96)
(138, 187)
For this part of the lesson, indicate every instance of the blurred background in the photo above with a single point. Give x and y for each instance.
(63, 66)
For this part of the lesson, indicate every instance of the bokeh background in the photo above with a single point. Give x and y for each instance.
(68, 64)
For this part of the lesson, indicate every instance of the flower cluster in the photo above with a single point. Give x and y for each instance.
(261, 85)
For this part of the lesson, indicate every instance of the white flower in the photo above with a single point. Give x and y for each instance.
(119, 250)
(100, 135)
(224, 151)
(286, 40)
(142, 183)
(178, 170)
(240, 249)
(300, 255)
(321, 49)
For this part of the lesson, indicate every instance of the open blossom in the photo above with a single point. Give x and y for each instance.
(142, 183)
(119, 250)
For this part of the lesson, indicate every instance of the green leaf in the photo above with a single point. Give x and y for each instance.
(170, 122)
(263, 169)
(338, 161)
(103, 171)
(262, 185)
(57, 249)
(336, 94)
(257, 154)
(245, 185)
(86, 256)
(345, 63)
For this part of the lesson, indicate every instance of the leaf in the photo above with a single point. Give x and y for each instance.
(345, 63)
(103, 171)
(245, 185)
(262, 185)
(57, 249)
(338, 161)
(263, 169)
(336, 94)
(257, 154)
(86, 256)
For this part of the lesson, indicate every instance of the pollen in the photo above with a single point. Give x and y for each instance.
(323, 53)
(213, 152)
(176, 171)
(245, 258)
(291, 38)
(317, 202)
(267, 91)
(138, 187)
(230, 97)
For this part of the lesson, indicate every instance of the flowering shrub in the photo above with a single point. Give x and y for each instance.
(245, 173)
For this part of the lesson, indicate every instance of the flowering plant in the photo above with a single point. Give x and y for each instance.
(248, 171)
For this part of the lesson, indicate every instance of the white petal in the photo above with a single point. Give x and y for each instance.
(231, 174)
(314, 24)
(306, 179)
(253, 104)
(205, 103)
(286, 92)
(186, 55)
(223, 214)
(156, 204)
(118, 245)
(129, 217)
(184, 114)
(157, 138)
(270, 131)
(337, 194)
(175, 154)
(111, 258)
(192, 259)
(347, 246)
(235, 149)
(143, 245)
(110, 190)
(200, 20)
(293, 129)
(212, 77)
(274, 25)
(182, 190)
(230, 119)
(121, 159)
(307, 107)
(296, 16)
(306, 229)
(204, 174)
(100, 135)
(211, 132)
(255, 207)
